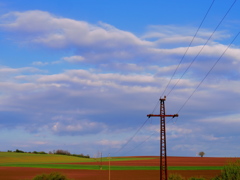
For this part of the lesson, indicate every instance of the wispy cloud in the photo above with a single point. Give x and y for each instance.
(74, 59)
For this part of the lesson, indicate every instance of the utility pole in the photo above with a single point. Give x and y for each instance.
(109, 166)
(101, 161)
(163, 143)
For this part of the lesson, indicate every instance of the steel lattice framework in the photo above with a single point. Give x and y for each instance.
(163, 142)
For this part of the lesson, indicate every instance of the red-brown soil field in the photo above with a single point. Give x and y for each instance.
(21, 173)
(172, 161)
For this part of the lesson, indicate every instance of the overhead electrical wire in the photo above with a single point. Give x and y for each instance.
(193, 61)
(141, 142)
(131, 138)
(145, 139)
(203, 47)
(210, 7)
(208, 72)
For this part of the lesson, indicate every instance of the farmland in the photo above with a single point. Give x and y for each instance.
(25, 166)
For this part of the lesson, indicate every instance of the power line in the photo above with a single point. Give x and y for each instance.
(130, 139)
(189, 45)
(202, 47)
(209, 71)
(146, 139)
(142, 142)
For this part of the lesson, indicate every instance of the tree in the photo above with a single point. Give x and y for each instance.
(19, 151)
(62, 152)
(201, 153)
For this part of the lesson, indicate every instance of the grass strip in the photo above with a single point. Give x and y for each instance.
(122, 159)
(97, 167)
(87, 167)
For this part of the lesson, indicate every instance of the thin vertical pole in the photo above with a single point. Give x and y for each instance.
(101, 161)
(163, 146)
(109, 166)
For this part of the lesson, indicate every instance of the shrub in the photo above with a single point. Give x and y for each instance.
(41, 152)
(175, 177)
(19, 151)
(62, 152)
(193, 178)
(230, 172)
(51, 176)
(81, 155)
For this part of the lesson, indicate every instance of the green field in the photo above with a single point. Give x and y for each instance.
(10, 159)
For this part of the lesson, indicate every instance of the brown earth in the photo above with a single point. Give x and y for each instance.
(20, 173)
(17, 173)
(172, 161)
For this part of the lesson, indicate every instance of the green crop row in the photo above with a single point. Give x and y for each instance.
(96, 167)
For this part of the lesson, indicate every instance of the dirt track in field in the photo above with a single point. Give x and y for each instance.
(18, 173)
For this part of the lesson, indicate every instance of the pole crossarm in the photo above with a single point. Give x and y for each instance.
(159, 115)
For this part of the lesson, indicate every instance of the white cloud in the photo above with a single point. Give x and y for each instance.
(40, 142)
(232, 118)
(179, 130)
(77, 127)
(9, 70)
(39, 63)
(169, 32)
(111, 143)
(60, 32)
(211, 137)
(74, 59)
(104, 42)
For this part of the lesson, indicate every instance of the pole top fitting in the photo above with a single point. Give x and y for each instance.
(175, 115)
(163, 99)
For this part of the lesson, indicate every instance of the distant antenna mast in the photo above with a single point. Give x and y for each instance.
(163, 143)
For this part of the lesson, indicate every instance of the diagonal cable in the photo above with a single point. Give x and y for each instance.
(130, 139)
(209, 71)
(189, 46)
(202, 47)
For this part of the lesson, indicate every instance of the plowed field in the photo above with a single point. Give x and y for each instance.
(26, 173)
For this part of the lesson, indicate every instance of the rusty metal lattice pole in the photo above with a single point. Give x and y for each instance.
(163, 142)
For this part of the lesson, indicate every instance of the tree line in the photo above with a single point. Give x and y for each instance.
(58, 152)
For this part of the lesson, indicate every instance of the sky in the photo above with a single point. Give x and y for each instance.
(81, 75)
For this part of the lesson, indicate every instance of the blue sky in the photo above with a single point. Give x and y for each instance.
(82, 76)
